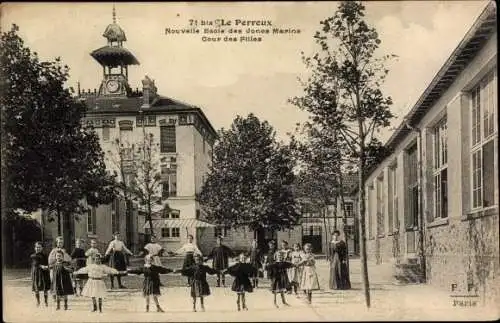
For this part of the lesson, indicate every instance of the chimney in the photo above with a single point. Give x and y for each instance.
(146, 92)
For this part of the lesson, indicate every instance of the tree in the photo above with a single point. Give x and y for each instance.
(50, 161)
(318, 182)
(250, 180)
(344, 94)
(137, 166)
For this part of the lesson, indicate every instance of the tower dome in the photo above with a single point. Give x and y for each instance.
(113, 32)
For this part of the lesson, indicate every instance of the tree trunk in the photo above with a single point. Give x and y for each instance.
(362, 227)
(59, 229)
(150, 219)
(344, 217)
(327, 245)
(128, 223)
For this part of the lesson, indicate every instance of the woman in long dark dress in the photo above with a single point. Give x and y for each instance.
(339, 273)
(198, 281)
(242, 271)
(40, 275)
(151, 284)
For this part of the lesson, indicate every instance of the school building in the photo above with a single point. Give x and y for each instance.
(121, 117)
(432, 204)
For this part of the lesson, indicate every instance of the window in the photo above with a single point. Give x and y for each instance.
(411, 213)
(169, 185)
(198, 214)
(174, 215)
(349, 231)
(369, 210)
(221, 231)
(167, 139)
(165, 232)
(483, 110)
(380, 207)
(115, 216)
(315, 230)
(126, 138)
(392, 207)
(105, 133)
(349, 209)
(175, 232)
(91, 221)
(440, 169)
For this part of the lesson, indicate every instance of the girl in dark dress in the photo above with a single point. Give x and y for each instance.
(255, 256)
(241, 271)
(79, 261)
(279, 273)
(270, 258)
(220, 260)
(151, 284)
(40, 275)
(189, 250)
(198, 281)
(61, 280)
(339, 273)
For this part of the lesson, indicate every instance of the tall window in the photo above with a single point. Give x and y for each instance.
(105, 133)
(484, 110)
(167, 139)
(91, 221)
(392, 192)
(169, 178)
(380, 207)
(126, 138)
(411, 214)
(369, 210)
(440, 141)
(349, 209)
(115, 216)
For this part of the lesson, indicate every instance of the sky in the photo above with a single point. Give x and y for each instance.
(228, 79)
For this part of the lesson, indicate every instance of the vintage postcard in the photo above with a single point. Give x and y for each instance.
(241, 161)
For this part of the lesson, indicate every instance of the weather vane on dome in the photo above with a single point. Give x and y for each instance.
(114, 14)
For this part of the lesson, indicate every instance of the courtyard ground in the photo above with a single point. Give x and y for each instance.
(389, 302)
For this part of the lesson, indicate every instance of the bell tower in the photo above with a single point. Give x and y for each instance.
(115, 60)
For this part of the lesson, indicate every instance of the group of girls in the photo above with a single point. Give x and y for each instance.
(82, 273)
(290, 270)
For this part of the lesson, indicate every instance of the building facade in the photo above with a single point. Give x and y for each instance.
(433, 202)
(181, 149)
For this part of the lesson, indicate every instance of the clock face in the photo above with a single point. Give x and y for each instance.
(112, 86)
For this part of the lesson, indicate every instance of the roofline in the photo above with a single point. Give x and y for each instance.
(152, 109)
(416, 113)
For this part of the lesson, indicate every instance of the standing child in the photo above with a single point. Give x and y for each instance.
(270, 257)
(78, 257)
(117, 258)
(52, 259)
(151, 284)
(198, 280)
(92, 252)
(294, 273)
(220, 259)
(242, 272)
(62, 285)
(309, 280)
(95, 286)
(279, 281)
(255, 256)
(40, 276)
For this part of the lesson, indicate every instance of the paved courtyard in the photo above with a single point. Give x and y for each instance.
(389, 302)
